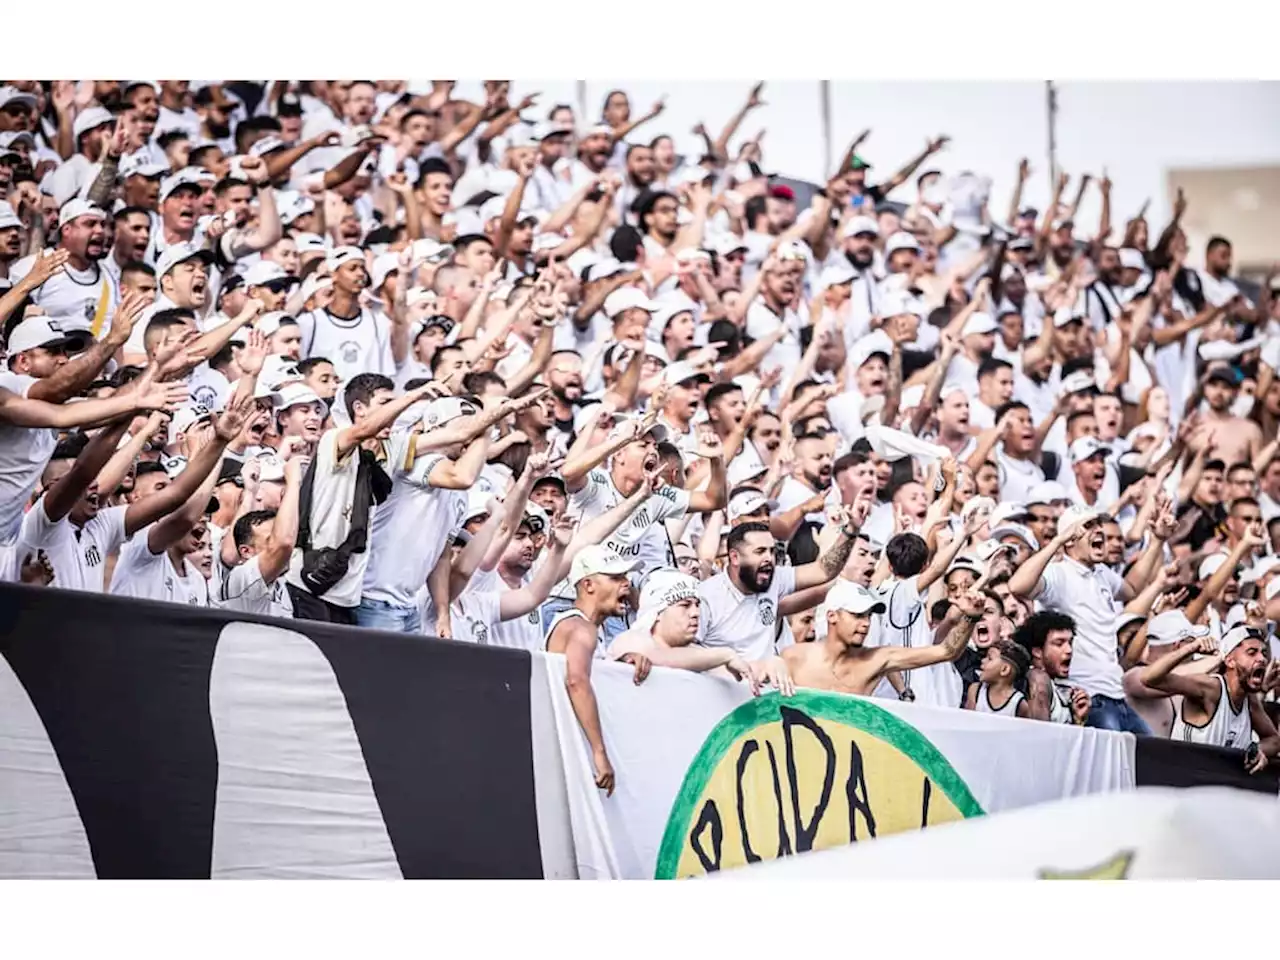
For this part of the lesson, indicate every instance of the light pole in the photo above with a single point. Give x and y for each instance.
(1051, 118)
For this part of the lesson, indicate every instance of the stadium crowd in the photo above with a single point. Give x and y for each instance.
(501, 373)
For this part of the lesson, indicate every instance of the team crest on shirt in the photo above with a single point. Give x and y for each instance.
(534, 617)
(205, 396)
(480, 632)
(91, 556)
(350, 351)
(767, 614)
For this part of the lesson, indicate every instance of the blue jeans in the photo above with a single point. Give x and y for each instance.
(554, 605)
(1108, 714)
(380, 615)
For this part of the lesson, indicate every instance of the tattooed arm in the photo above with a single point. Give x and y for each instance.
(829, 564)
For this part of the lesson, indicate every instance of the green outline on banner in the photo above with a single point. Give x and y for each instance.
(853, 712)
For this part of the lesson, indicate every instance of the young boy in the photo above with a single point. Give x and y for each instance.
(1003, 671)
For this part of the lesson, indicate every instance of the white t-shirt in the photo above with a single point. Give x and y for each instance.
(642, 535)
(77, 299)
(361, 344)
(480, 607)
(24, 453)
(794, 493)
(1090, 596)
(905, 623)
(77, 554)
(410, 530)
(1017, 477)
(746, 622)
(761, 321)
(151, 576)
(331, 507)
(245, 590)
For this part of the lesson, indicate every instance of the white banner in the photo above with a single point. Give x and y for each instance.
(709, 778)
(1205, 833)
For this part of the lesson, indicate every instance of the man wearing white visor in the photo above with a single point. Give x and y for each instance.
(843, 664)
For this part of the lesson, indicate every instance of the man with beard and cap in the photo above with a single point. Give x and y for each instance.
(843, 663)
(180, 194)
(1166, 632)
(740, 604)
(599, 577)
(81, 296)
(1221, 709)
(1083, 586)
(1048, 636)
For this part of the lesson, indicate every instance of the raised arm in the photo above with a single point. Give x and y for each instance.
(721, 146)
(1015, 202)
(911, 658)
(899, 178)
(274, 559)
(122, 460)
(378, 420)
(63, 495)
(828, 566)
(24, 412)
(1160, 674)
(1026, 582)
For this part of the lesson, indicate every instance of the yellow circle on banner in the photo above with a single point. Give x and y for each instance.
(780, 776)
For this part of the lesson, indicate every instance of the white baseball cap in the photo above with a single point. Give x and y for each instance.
(277, 370)
(748, 501)
(868, 346)
(384, 264)
(606, 268)
(270, 468)
(310, 243)
(1171, 627)
(853, 597)
(137, 165)
(37, 331)
(266, 145)
(1132, 259)
(263, 272)
(1078, 382)
(444, 410)
(836, 274)
(345, 255)
(900, 241)
(628, 298)
(682, 371)
(10, 95)
(1234, 637)
(1082, 448)
(299, 394)
(427, 250)
(860, 225)
(1064, 315)
(535, 518)
(90, 119)
(1047, 492)
(7, 217)
(979, 323)
(269, 323)
(599, 559)
(658, 431)
(184, 418)
(663, 589)
(1016, 530)
(728, 243)
(1260, 569)
(186, 177)
(180, 253)
(1211, 565)
(1077, 515)
(75, 208)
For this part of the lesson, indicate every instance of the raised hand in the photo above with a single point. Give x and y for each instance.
(37, 570)
(938, 142)
(1179, 204)
(400, 185)
(254, 169)
(178, 356)
(47, 265)
(152, 395)
(709, 445)
(232, 420)
(1024, 169)
(753, 98)
(253, 354)
(527, 401)
(658, 106)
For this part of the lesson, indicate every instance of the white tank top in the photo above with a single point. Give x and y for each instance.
(569, 614)
(982, 703)
(1226, 728)
(1059, 704)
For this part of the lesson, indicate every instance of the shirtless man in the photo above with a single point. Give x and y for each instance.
(666, 629)
(599, 578)
(1221, 709)
(1166, 632)
(841, 663)
(1236, 439)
